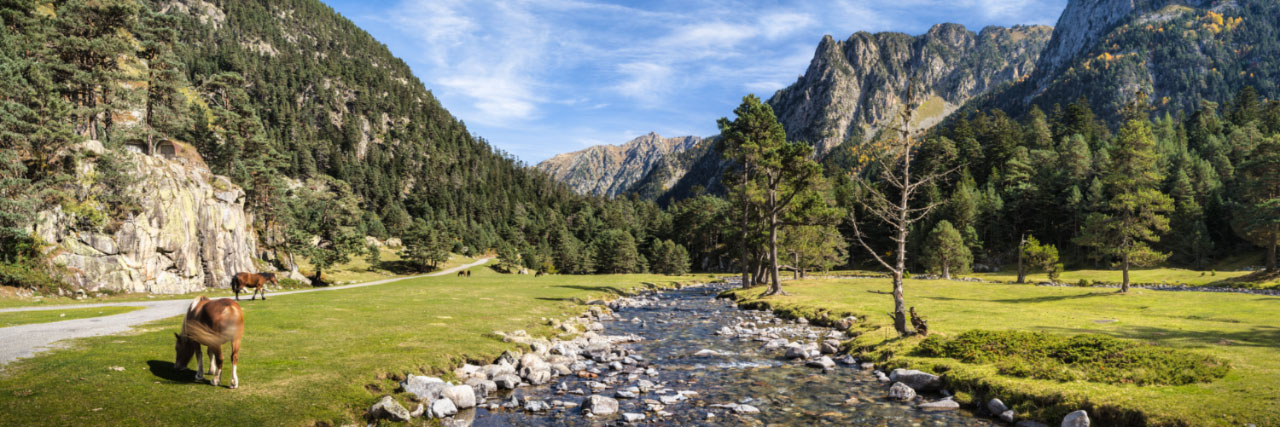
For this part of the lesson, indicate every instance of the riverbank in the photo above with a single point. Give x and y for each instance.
(1243, 330)
(311, 358)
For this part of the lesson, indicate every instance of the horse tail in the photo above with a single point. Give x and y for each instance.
(235, 284)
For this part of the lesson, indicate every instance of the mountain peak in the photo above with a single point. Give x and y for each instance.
(610, 170)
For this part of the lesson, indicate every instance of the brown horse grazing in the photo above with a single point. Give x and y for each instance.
(461, 273)
(468, 273)
(538, 274)
(258, 281)
(210, 323)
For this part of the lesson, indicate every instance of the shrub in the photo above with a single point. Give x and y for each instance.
(1087, 357)
(1084, 283)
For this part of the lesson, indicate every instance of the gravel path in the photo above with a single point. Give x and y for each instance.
(29, 340)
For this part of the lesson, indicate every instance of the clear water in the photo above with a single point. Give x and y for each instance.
(685, 321)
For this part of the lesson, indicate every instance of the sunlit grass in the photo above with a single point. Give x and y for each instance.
(44, 316)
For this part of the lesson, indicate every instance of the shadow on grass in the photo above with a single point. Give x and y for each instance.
(568, 299)
(165, 370)
(1259, 336)
(610, 289)
(1047, 298)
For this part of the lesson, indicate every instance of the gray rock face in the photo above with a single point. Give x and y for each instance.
(920, 381)
(1084, 22)
(600, 405)
(900, 391)
(857, 86)
(192, 233)
(1076, 419)
(462, 396)
(609, 170)
(389, 409)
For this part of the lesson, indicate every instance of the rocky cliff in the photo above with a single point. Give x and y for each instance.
(190, 234)
(854, 88)
(610, 170)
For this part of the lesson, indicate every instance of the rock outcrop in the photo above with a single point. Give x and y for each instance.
(854, 88)
(610, 170)
(192, 233)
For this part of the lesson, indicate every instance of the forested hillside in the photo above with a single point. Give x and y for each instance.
(330, 135)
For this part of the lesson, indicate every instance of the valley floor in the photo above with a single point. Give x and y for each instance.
(1243, 329)
(311, 357)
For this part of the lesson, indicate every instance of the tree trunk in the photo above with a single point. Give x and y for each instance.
(775, 286)
(746, 262)
(795, 267)
(899, 305)
(1022, 273)
(946, 271)
(1271, 251)
(1124, 286)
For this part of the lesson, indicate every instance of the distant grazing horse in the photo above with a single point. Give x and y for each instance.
(468, 273)
(258, 281)
(210, 323)
(538, 274)
(461, 273)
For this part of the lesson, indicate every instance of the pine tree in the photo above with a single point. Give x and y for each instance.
(946, 251)
(1260, 211)
(1133, 214)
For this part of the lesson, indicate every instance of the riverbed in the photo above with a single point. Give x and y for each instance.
(700, 360)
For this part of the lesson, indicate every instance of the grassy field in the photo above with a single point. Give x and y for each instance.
(356, 271)
(1171, 276)
(317, 357)
(1242, 329)
(43, 316)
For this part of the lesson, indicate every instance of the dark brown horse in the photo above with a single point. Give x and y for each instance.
(468, 273)
(538, 274)
(210, 323)
(461, 273)
(258, 281)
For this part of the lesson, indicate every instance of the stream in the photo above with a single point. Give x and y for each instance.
(676, 382)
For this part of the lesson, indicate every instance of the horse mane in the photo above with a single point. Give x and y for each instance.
(268, 276)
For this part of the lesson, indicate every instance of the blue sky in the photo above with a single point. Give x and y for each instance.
(542, 77)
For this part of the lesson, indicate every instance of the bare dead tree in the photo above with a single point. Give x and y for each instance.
(895, 174)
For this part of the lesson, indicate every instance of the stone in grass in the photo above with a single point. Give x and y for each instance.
(1076, 419)
(462, 396)
(388, 408)
(996, 406)
(900, 391)
(600, 405)
(939, 406)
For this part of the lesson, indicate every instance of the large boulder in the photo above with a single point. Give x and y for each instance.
(600, 405)
(191, 233)
(920, 381)
(443, 408)
(425, 389)
(507, 381)
(996, 406)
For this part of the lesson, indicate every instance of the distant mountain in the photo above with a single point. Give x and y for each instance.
(610, 170)
(854, 88)
(1179, 52)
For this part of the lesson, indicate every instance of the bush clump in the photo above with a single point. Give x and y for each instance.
(1087, 357)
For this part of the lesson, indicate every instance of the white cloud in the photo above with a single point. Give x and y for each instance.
(644, 81)
(780, 24)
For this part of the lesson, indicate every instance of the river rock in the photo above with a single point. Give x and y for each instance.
(801, 351)
(536, 406)
(824, 363)
(938, 406)
(600, 405)
(633, 417)
(920, 381)
(830, 347)
(996, 406)
(1076, 419)
(508, 357)
(706, 353)
(1029, 423)
(426, 389)
(529, 359)
(1008, 416)
(745, 409)
(900, 391)
(443, 408)
(536, 374)
(560, 369)
(496, 370)
(847, 360)
(482, 387)
(462, 396)
(507, 381)
(880, 376)
(389, 408)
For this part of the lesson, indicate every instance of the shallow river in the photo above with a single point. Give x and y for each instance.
(677, 324)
